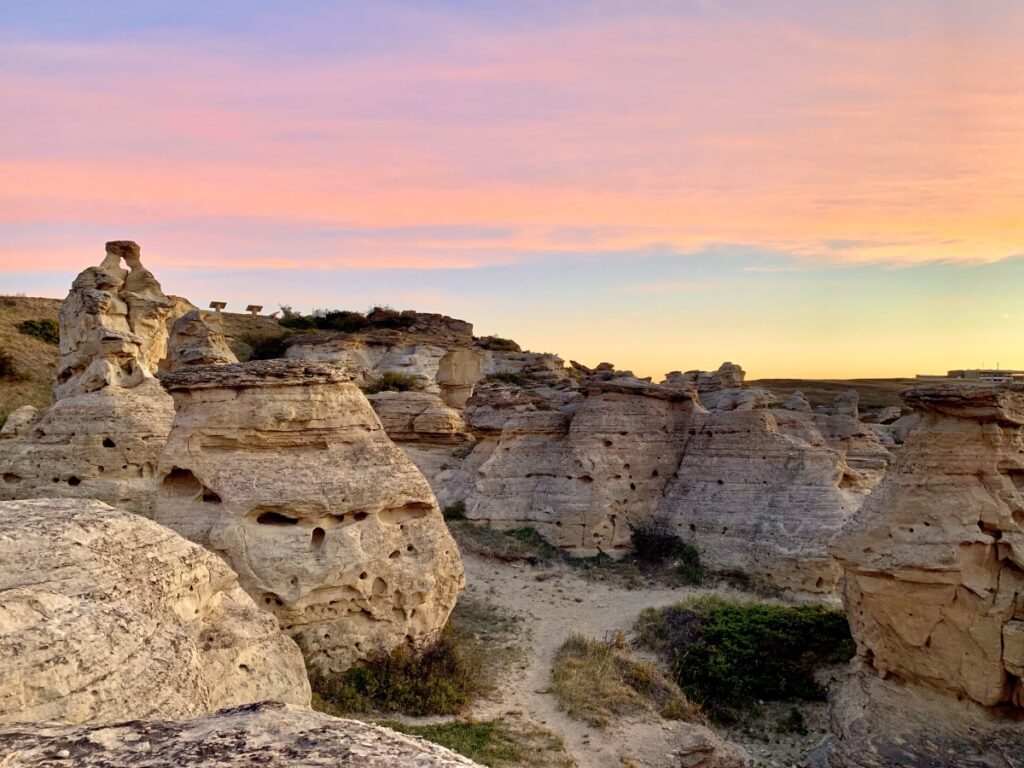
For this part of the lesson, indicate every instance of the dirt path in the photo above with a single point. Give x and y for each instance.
(553, 608)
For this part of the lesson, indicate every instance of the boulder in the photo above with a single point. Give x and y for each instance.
(283, 468)
(797, 402)
(18, 421)
(267, 734)
(197, 338)
(107, 616)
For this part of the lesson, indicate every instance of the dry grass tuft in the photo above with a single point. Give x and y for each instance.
(595, 681)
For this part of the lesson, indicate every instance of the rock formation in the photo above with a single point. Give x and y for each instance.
(283, 469)
(268, 734)
(934, 586)
(18, 422)
(760, 493)
(113, 325)
(107, 616)
(197, 338)
(103, 436)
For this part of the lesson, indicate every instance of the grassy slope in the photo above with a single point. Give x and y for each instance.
(34, 359)
(874, 393)
(37, 360)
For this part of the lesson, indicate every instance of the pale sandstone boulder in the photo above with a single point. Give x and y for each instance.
(18, 421)
(267, 734)
(797, 402)
(760, 494)
(108, 616)
(197, 338)
(96, 445)
(458, 372)
(934, 560)
(419, 417)
(283, 468)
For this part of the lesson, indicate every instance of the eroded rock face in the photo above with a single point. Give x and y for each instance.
(934, 591)
(283, 469)
(197, 338)
(760, 493)
(18, 422)
(934, 560)
(107, 616)
(96, 445)
(113, 325)
(261, 734)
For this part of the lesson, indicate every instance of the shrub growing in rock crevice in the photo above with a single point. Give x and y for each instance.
(389, 381)
(729, 654)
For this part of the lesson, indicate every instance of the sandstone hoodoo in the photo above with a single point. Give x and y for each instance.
(267, 734)
(197, 338)
(283, 469)
(103, 436)
(934, 588)
(108, 616)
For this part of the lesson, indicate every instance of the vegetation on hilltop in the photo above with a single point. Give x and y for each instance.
(347, 321)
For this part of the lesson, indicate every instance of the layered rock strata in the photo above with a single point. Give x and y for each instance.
(283, 468)
(934, 590)
(107, 616)
(197, 338)
(269, 734)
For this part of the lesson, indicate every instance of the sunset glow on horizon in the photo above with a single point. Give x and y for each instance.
(809, 188)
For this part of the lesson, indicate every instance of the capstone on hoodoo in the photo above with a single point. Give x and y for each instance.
(283, 469)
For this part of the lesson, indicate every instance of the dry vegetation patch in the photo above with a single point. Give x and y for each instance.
(26, 338)
(596, 680)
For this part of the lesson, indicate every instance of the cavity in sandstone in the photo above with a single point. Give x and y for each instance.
(283, 469)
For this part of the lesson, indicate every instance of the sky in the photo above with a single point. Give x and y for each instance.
(810, 188)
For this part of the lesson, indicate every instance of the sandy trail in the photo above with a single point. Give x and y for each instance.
(552, 609)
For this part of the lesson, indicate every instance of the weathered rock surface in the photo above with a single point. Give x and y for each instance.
(760, 493)
(106, 616)
(934, 591)
(267, 734)
(885, 724)
(96, 445)
(113, 325)
(283, 468)
(18, 422)
(934, 560)
(197, 338)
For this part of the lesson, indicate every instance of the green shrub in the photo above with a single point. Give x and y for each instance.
(389, 381)
(508, 377)
(8, 369)
(655, 546)
(439, 680)
(595, 680)
(296, 322)
(342, 320)
(45, 329)
(455, 511)
(386, 317)
(728, 655)
(266, 347)
(498, 344)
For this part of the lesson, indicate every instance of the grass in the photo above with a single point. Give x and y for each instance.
(508, 377)
(389, 381)
(594, 681)
(729, 654)
(440, 680)
(34, 360)
(496, 743)
(45, 328)
(658, 557)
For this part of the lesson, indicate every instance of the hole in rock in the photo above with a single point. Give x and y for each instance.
(210, 497)
(72, 481)
(693, 526)
(394, 554)
(410, 548)
(10, 477)
(411, 511)
(182, 483)
(361, 516)
(108, 443)
(607, 443)
(317, 539)
(632, 486)
(654, 473)
(586, 479)
(243, 667)
(721, 481)
(269, 598)
(819, 583)
(275, 518)
(363, 575)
